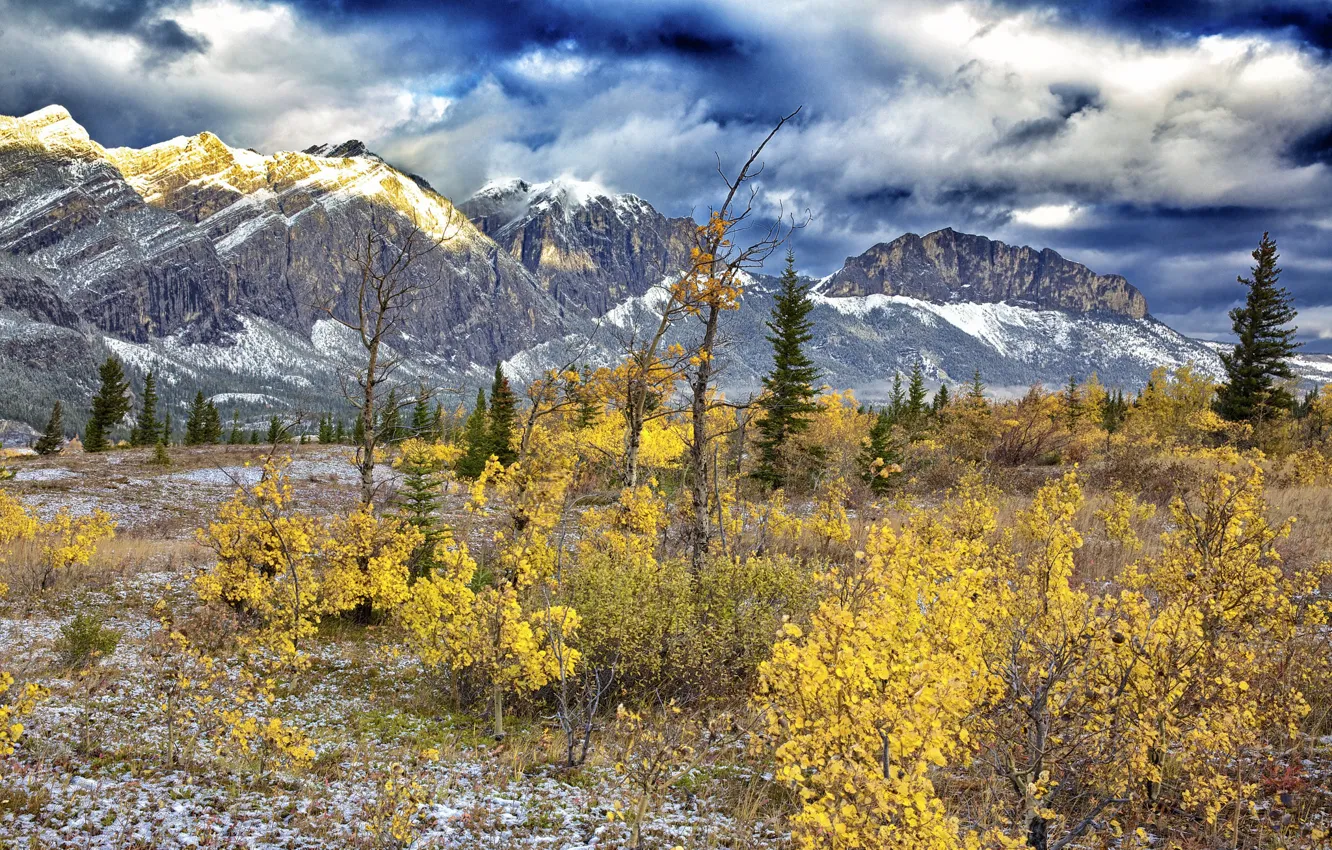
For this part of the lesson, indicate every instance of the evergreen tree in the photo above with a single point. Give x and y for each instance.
(109, 406)
(1072, 398)
(880, 460)
(421, 496)
(160, 455)
(788, 399)
(897, 401)
(358, 431)
(147, 429)
(325, 434)
(390, 419)
(476, 440)
(196, 424)
(53, 438)
(588, 409)
(976, 392)
(437, 422)
(340, 432)
(166, 429)
(212, 432)
(254, 438)
(1113, 412)
(422, 424)
(916, 395)
(276, 431)
(234, 436)
(503, 418)
(941, 401)
(1250, 391)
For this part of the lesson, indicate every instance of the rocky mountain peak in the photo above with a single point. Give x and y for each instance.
(51, 128)
(345, 150)
(948, 266)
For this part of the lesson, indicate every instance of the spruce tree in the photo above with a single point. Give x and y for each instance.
(1072, 398)
(212, 433)
(340, 432)
(476, 440)
(897, 401)
(916, 395)
(160, 455)
(166, 429)
(109, 406)
(325, 429)
(358, 431)
(941, 401)
(420, 499)
(390, 419)
(276, 433)
(235, 435)
(1251, 391)
(53, 438)
(588, 408)
(254, 438)
(879, 462)
(976, 392)
(196, 424)
(147, 428)
(503, 418)
(422, 425)
(788, 399)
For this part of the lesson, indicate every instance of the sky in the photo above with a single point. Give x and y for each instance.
(1157, 139)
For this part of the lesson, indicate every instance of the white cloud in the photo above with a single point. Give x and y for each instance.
(1048, 215)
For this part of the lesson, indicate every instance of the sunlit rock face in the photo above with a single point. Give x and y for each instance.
(287, 228)
(119, 263)
(589, 248)
(947, 267)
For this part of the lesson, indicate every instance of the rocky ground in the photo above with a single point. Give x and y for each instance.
(91, 770)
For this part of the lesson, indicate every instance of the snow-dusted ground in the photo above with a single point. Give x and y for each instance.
(90, 772)
(363, 707)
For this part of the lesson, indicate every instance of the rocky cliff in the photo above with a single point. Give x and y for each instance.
(589, 248)
(946, 267)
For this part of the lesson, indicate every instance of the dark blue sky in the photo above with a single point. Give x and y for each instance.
(1153, 139)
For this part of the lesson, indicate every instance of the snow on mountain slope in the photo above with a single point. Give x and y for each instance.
(860, 341)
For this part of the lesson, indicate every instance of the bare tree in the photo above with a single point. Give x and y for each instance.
(385, 290)
(713, 284)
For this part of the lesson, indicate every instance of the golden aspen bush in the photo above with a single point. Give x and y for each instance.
(363, 563)
(266, 559)
(10, 712)
(1219, 649)
(865, 702)
(35, 550)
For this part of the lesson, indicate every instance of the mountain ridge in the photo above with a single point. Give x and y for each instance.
(176, 252)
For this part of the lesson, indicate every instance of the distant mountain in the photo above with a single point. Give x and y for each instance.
(207, 262)
(589, 248)
(948, 267)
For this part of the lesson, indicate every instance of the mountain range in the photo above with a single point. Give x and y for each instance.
(213, 266)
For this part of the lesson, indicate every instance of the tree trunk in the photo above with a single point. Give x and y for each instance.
(367, 449)
(699, 532)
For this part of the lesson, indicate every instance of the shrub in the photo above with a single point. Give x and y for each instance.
(84, 641)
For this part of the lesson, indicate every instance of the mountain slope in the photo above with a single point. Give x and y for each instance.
(209, 263)
(589, 248)
(947, 266)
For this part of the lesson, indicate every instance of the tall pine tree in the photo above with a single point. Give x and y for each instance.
(212, 431)
(423, 424)
(147, 429)
(1251, 392)
(916, 397)
(196, 424)
(53, 438)
(788, 399)
(476, 440)
(109, 406)
(503, 418)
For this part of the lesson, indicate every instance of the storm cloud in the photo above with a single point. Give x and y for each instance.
(1158, 140)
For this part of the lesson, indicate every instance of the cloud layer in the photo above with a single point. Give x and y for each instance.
(1156, 140)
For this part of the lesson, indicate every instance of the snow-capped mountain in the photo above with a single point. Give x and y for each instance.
(589, 247)
(210, 264)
